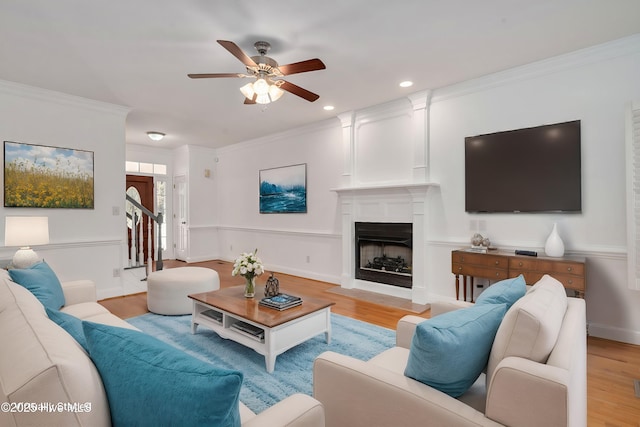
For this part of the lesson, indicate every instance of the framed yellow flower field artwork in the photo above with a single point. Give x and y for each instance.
(39, 176)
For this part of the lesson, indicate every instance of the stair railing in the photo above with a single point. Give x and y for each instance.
(137, 236)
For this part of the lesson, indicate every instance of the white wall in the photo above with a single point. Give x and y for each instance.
(203, 205)
(85, 243)
(303, 244)
(594, 85)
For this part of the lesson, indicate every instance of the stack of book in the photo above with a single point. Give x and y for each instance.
(212, 314)
(281, 301)
(249, 330)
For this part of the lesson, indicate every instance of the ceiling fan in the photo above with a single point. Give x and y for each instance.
(268, 86)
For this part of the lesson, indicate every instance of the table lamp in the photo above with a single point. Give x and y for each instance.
(26, 231)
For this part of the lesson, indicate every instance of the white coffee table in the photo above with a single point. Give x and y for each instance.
(281, 330)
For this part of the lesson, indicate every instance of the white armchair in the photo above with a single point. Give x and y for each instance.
(520, 392)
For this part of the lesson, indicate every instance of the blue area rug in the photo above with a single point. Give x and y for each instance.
(293, 372)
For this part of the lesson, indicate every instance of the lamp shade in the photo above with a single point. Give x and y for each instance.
(26, 230)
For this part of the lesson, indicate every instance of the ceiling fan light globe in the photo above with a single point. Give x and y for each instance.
(247, 90)
(263, 99)
(261, 87)
(275, 93)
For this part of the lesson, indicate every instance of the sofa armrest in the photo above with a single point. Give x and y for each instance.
(405, 329)
(545, 388)
(298, 410)
(357, 393)
(441, 307)
(78, 291)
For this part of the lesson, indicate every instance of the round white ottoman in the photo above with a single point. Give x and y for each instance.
(167, 290)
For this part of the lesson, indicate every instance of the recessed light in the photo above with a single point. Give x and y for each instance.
(328, 107)
(406, 83)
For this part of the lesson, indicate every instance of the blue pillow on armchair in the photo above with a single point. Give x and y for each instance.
(149, 382)
(506, 291)
(42, 282)
(448, 352)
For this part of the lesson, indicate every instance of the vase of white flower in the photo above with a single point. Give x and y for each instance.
(249, 266)
(250, 287)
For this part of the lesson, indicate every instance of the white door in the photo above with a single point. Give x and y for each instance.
(180, 217)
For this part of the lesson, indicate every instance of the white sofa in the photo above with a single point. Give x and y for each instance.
(516, 391)
(40, 362)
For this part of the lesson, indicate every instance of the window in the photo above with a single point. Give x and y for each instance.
(148, 168)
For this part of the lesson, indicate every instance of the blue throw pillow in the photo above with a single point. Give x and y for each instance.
(449, 351)
(151, 383)
(505, 291)
(69, 323)
(42, 282)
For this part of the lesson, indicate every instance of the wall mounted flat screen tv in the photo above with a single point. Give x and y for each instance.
(535, 169)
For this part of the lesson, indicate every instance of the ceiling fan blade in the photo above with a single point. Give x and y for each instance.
(214, 75)
(302, 67)
(237, 52)
(297, 90)
(248, 101)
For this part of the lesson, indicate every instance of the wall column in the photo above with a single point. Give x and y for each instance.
(420, 293)
(348, 147)
(420, 102)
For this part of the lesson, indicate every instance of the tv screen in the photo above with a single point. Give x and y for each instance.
(525, 170)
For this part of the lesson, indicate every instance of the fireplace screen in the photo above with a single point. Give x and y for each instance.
(384, 253)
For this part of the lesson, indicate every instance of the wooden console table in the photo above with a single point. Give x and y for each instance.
(499, 265)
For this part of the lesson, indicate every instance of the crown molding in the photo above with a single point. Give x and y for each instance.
(25, 91)
(599, 53)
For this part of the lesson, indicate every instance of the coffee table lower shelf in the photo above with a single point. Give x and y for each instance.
(276, 340)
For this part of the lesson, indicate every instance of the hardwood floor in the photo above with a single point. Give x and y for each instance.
(611, 366)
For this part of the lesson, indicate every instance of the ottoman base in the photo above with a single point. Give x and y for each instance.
(167, 290)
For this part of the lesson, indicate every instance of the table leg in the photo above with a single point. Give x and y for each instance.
(194, 326)
(457, 286)
(327, 335)
(464, 287)
(270, 361)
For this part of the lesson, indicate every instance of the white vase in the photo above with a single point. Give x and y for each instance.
(554, 246)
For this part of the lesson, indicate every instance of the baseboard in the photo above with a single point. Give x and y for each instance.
(109, 293)
(614, 334)
(306, 274)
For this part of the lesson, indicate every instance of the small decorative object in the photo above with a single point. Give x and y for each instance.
(272, 288)
(486, 242)
(249, 266)
(476, 240)
(554, 247)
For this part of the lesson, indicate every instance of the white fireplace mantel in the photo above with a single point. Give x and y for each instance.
(376, 189)
(386, 203)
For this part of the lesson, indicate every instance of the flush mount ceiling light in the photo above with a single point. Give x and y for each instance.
(155, 136)
(406, 83)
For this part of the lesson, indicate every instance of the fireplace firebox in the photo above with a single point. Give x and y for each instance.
(384, 253)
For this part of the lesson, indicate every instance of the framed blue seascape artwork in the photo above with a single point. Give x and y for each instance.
(284, 189)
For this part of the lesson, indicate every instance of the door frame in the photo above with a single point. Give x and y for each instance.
(180, 225)
(148, 200)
